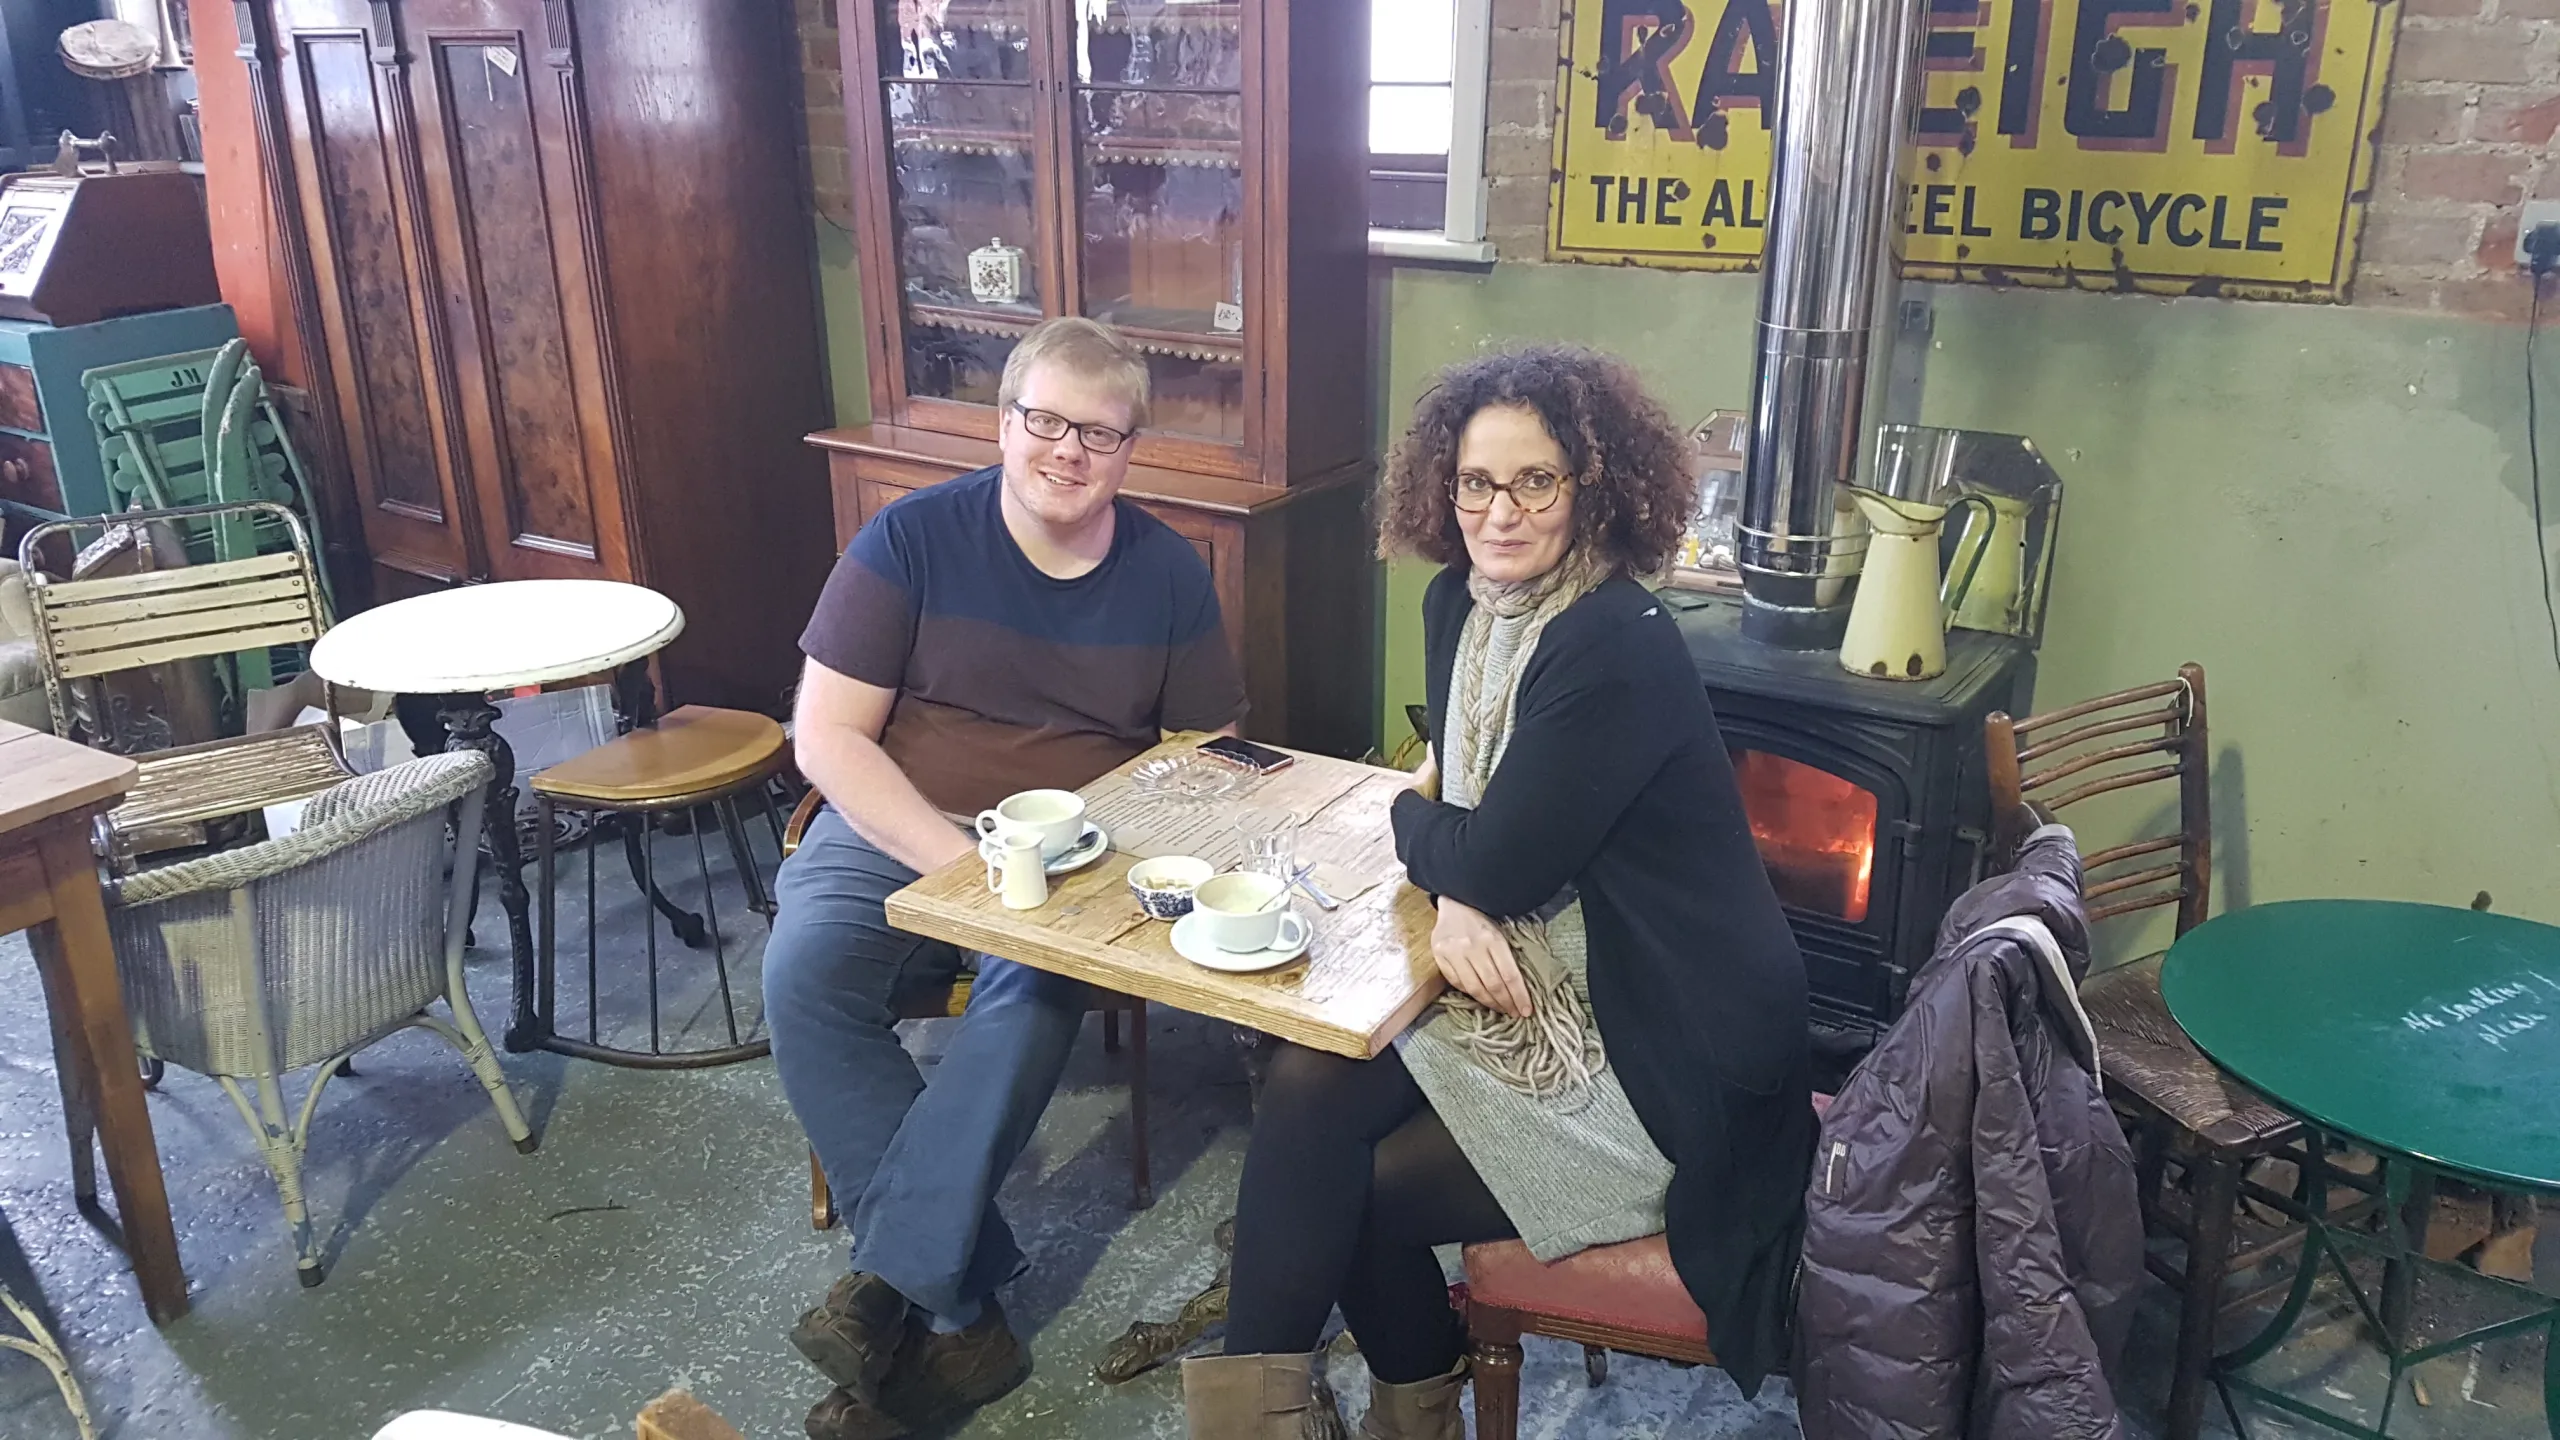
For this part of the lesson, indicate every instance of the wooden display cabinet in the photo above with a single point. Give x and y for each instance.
(1192, 174)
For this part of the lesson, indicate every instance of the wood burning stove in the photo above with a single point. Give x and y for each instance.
(1867, 798)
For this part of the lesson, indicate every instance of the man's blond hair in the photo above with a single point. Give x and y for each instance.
(1087, 347)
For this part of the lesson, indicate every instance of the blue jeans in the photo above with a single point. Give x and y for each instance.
(918, 1163)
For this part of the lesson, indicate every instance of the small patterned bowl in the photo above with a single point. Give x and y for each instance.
(1164, 885)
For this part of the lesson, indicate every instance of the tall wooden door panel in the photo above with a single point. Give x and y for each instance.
(495, 88)
(367, 252)
(441, 142)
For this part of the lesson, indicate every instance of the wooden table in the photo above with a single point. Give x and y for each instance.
(464, 643)
(1366, 975)
(50, 790)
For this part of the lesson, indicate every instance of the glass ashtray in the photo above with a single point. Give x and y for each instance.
(1189, 775)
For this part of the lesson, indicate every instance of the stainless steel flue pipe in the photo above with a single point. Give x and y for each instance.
(1830, 276)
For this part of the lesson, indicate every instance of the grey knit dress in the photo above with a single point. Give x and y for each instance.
(1570, 1171)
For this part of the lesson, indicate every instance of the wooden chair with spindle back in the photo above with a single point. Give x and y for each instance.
(2183, 1111)
(939, 1002)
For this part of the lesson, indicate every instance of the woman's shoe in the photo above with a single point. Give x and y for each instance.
(1424, 1410)
(1259, 1397)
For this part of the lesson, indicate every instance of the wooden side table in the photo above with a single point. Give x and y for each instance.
(50, 791)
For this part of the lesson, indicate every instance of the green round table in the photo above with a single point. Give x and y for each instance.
(2426, 1034)
(2420, 1030)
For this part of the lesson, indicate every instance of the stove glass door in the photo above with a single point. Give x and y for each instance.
(1816, 832)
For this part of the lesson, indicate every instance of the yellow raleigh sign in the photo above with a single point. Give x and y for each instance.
(2172, 146)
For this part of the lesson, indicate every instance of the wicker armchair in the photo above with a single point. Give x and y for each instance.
(22, 699)
(299, 952)
(38, 1342)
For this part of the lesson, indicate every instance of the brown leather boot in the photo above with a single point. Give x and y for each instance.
(1259, 1397)
(1424, 1410)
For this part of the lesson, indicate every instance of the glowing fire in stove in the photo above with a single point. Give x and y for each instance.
(1816, 832)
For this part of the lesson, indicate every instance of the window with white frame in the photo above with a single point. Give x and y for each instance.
(1427, 62)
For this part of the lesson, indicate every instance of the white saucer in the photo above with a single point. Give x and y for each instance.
(1192, 945)
(1087, 849)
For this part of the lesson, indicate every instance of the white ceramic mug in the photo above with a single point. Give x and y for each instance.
(1056, 816)
(1238, 913)
(1015, 873)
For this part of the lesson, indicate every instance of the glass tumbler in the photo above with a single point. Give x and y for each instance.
(1270, 840)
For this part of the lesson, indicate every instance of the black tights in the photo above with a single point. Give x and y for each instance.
(1349, 1182)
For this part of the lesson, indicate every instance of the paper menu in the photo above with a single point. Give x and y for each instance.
(1351, 847)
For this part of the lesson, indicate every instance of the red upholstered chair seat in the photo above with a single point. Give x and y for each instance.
(1625, 1287)
(1609, 1297)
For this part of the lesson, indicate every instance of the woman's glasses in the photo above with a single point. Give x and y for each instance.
(1050, 425)
(1534, 492)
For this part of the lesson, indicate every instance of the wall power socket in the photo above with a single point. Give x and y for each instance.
(2536, 212)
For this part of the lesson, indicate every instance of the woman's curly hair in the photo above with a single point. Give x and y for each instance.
(1633, 482)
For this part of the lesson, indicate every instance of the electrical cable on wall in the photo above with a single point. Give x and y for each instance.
(2543, 245)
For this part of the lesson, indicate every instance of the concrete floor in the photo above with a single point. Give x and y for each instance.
(661, 1237)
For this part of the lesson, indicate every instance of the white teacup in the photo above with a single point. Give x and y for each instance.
(1056, 816)
(1239, 913)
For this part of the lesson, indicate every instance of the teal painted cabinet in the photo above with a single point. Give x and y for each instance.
(49, 461)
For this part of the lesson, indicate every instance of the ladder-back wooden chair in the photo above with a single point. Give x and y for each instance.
(951, 1001)
(2184, 1112)
(88, 629)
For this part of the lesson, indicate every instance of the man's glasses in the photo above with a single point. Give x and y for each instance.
(1534, 492)
(1050, 425)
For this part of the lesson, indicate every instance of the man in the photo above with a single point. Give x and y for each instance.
(1017, 628)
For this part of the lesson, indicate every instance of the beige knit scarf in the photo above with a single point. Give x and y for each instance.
(1554, 1051)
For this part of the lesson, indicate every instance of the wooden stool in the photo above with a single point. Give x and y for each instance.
(695, 756)
(940, 1002)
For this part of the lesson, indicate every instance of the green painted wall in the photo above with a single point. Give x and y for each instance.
(840, 298)
(2328, 508)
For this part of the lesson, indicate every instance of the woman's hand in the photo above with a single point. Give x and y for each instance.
(1426, 776)
(1474, 955)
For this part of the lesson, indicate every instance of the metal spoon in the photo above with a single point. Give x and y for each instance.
(1304, 879)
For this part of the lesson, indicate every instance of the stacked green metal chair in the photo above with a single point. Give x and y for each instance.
(200, 428)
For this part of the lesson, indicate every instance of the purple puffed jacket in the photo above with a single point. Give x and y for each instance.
(1972, 1244)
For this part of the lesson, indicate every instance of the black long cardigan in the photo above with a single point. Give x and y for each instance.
(1616, 782)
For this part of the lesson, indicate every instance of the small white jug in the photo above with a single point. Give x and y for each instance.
(1016, 872)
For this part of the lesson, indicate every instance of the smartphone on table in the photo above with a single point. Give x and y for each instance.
(1261, 759)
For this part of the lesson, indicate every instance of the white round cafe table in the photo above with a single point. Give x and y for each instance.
(463, 643)
(496, 637)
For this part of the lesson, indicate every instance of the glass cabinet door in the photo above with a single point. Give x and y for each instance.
(974, 262)
(1156, 124)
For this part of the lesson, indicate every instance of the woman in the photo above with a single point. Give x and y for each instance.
(1623, 1047)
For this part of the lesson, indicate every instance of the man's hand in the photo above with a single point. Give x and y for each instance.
(836, 738)
(1474, 955)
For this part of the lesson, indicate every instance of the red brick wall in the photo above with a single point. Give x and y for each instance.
(822, 109)
(2466, 137)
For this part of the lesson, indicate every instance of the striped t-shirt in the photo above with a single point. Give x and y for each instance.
(1008, 678)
